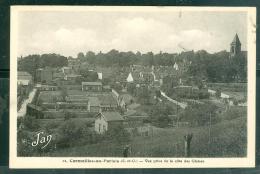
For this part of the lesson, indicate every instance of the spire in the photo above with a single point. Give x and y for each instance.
(235, 46)
(236, 40)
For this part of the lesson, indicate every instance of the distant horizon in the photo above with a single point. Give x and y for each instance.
(135, 52)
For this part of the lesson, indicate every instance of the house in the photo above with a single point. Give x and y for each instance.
(99, 75)
(66, 70)
(108, 102)
(121, 103)
(148, 77)
(58, 75)
(176, 66)
(47, 88)
(91, 86)
(145, 130)
(94, 104)
(74, 106)
(71, 77)
(130, 78)
(224, 96)
(108, 120)
(44, 75)
(212, 92)
(24, 78)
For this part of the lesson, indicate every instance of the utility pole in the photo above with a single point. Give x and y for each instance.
(187, 141)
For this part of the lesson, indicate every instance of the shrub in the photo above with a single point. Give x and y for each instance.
(234, 112)
(118, 134)
(31, 123)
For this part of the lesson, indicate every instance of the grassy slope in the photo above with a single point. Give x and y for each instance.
(228, 139)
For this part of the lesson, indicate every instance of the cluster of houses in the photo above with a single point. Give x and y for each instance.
(88, 99)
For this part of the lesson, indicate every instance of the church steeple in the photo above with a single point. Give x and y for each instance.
(235, 46)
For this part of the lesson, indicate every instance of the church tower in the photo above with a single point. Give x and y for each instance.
(235, 46)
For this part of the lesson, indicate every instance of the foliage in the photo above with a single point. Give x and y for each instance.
(31, 122)
(199, 114)
(160, 115)
(144, 95)
(64, 94)
(234, 112)
(218, 93)
(118, 134)
(32, 62)
(88, 76)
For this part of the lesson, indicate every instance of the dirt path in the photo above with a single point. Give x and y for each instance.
(182, 105)
(22, 110)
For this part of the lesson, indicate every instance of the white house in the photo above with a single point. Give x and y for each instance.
(176, 66)
(107, 120)
(24, 78)
(130, 78)
(211, 92)
(224, 96)
(99, 75)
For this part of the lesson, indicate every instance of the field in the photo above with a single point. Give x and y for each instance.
(227, 139)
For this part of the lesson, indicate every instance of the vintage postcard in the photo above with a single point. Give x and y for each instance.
(132, 87)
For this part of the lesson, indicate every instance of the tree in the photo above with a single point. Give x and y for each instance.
(90, 57)
(159, 115)
(89, 76)
(64, 93)
(81, 56)
(118, 134)
(69, 133)
(199, 114)
(31, 123)
(218, 93)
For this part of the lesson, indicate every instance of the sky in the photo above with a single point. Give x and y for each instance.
(70, 32)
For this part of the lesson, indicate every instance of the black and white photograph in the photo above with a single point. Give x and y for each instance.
(117, 87)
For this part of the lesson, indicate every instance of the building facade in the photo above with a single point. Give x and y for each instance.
(107, 120)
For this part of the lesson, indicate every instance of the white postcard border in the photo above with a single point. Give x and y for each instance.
(86, 162)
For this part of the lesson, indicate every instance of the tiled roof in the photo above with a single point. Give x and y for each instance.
(107, 100)
(112, 116)
(91, 83)
(94, 101)
(24, 75)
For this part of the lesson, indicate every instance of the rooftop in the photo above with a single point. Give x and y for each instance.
(107, 100)
(112, 116)
(94, 101)
(23, 73)
(92, 83)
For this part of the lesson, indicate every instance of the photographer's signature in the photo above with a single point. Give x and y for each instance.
(42, 140)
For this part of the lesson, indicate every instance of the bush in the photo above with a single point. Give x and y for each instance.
(31, 122)
(199, 114)
(118, 134)
(69, 134)
(73, 133)
(234, 112)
